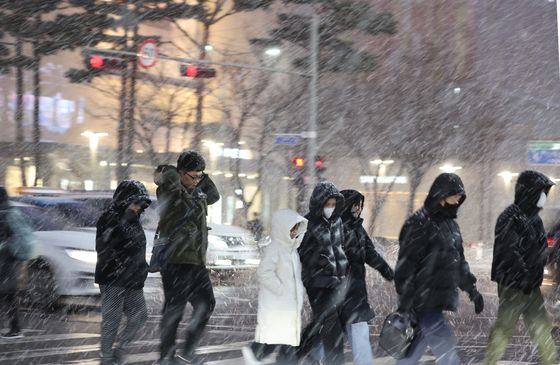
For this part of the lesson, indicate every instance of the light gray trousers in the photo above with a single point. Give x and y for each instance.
(114, 302)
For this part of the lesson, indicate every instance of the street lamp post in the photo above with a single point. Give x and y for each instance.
(313, 103)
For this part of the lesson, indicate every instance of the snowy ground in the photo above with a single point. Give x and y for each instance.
(71, 336)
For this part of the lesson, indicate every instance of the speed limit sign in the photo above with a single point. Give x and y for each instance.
(148, 53)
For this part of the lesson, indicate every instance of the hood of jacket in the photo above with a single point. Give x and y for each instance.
(322, 192)
(445, 185)
(130, 191)
(283, 221)
(528, 190)
(351, 198)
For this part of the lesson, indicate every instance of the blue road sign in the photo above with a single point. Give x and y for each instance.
(287, 139)
(544, 157)
(543, 152)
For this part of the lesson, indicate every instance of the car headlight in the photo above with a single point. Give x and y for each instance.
(82, 255)
(216, 243)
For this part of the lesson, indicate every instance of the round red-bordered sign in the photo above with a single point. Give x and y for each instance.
(148, 53)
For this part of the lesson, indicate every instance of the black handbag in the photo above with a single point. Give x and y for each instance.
(397, 335)
(159, 258)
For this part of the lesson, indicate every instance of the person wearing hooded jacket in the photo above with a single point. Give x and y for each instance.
(324, 272)
(431, 266)
(359, 249)
(184, 193)
(280, 292)
(121, 268)
(520, 255)
(16, 246)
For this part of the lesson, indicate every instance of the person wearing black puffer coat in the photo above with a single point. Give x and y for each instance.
(431, 267)
(520, 255)
(359, 249)
(324, 272)
(121, 268)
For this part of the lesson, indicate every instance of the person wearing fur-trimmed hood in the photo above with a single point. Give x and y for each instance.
(280, 292)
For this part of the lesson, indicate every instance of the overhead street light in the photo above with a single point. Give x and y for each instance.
(450, 168)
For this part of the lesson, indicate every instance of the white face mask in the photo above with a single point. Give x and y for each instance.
(542, 200)
(327, 212)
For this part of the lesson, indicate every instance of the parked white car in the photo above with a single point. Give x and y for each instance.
(66, 257)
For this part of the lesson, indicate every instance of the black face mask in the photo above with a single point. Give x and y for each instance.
(130, 216)
(449, 210)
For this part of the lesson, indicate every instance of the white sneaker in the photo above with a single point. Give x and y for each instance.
(249, 356)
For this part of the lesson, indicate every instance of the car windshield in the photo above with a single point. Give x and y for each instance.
(60, 216)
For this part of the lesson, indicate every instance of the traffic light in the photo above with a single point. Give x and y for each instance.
(298, 162)
(98, 62)
(197, 71)
(320, 164)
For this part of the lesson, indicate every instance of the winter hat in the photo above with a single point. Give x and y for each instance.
(3, 195)
(191, 161)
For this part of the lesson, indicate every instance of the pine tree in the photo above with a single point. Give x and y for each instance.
(24, 21)
(212, 13)
(127, 16)
(337, 19)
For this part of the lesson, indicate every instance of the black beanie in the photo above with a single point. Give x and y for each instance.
(191, 161)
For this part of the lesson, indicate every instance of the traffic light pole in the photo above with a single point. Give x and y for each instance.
(198, 62)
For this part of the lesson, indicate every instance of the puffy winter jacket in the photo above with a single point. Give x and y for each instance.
(520, 248)
(280, 286)
(120, 240)
(183, 217)
(431, 265)
(359, 250)
(324, 263)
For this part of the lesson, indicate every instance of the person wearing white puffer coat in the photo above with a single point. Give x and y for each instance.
(280, 292)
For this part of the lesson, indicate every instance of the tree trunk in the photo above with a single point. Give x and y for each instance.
(19, 112)
(131, 105)
(415, 178)
(36, 105)
(200, 93)
(121, 130)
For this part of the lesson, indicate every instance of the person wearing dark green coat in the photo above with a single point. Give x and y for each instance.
(184, 193)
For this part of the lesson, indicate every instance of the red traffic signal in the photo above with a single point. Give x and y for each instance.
(299, 162)
(320, 163)
(97, 62)
(197, 71)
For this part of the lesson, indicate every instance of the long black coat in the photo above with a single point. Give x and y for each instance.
(120, 241)
(520, 248)
(323, 261)
(431, 265)
(359, 250)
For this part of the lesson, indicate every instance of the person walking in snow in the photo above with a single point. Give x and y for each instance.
(359, 249)
(431, 266)
(280, 292)
(520, 255)
(324, 273)
(121, 268)
(184, 193)
(16, 246)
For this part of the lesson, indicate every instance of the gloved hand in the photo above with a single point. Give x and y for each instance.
(478, 301)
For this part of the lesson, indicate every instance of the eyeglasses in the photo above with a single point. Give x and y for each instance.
(196, 177)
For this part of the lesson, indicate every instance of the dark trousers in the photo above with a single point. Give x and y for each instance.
(182, 284)
(325, 326)
(286, 353)
(10, 307)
